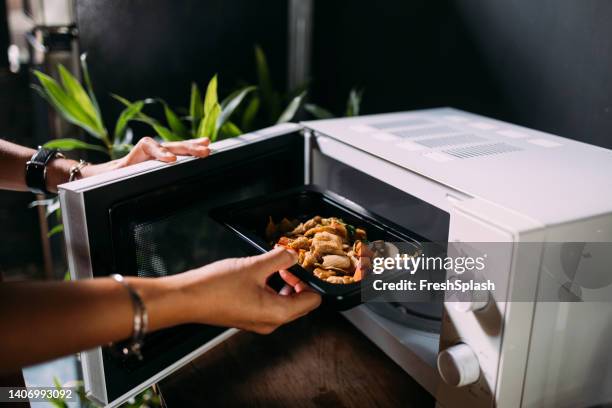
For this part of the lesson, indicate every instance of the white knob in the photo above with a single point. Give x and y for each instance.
(458, 365)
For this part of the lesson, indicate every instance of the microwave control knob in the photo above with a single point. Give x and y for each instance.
(458, 365)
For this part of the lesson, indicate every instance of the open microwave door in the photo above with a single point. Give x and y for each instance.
(152, 220)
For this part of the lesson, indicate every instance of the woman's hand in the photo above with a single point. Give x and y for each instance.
(230, 293)
(149, 149)
(13, 159)
(234, 293)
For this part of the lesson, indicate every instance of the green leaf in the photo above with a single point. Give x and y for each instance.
(75, 91)
(229, 130)
(270, 98)
(66, 106)
(127, 138)
(196, 110)
(317, 111)
(291, 109)
(54, 208)
(263, 73)
(229, 104)
(119, 150)
(73, 144)
(249, 114)
(299, 89)
(211, 99)
(57, 403)
(208, 125)
(140, 116)
(121, 99)
(55, 230)
(88, 84)
(52, 205)
(67, 276)
(45, 202)
(237, 94)
(126, 116)
(175, 123)
(354, 102)
(165, 133)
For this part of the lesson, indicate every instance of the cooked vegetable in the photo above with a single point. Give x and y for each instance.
(328, 247)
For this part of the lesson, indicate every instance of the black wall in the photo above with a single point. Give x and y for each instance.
(4, 35)
(145, 48)
(544, 64)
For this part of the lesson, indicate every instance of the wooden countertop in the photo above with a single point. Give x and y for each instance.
(318, 361)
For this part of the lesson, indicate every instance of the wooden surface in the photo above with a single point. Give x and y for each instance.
(319, 361)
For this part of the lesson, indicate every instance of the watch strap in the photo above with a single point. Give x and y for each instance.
(36, 170)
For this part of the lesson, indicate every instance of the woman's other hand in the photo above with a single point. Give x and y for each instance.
(149, 149)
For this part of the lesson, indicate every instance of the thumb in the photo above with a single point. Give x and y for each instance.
(266, 264)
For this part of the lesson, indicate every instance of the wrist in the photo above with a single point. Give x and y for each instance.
(163, 298)
(94, 169)
(45, 170)
(195, 296)
(58, 172)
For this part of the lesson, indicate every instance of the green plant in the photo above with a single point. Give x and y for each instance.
(267, 102)
(52, 207)
(145, 399)
(80, 107)
(258, 106)
(353, 105)
(207, 117)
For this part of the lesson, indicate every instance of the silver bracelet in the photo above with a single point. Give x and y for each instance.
(76, 170)
(141, 320)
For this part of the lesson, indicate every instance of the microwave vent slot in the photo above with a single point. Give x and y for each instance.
(481, 150)
(400, 123)
(452, 140)
(424, 131)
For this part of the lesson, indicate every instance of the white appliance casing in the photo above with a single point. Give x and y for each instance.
(499, 183)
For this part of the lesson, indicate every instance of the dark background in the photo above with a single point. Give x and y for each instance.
(544, 64)
(156, 48)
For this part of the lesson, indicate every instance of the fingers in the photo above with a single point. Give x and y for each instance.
(195, 147)
(285, 307)
(294, 281)
(266, 264)
(147, 149)
(288, 277)
(297, 305)
(301, 287)
(286, 290)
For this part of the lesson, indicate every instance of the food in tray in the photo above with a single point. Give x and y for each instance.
(331, 249)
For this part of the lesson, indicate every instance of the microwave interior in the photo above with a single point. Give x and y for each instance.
(156, 224)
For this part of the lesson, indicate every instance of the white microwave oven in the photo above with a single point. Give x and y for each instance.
(446, 175)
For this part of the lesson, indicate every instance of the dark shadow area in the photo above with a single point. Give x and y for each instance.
(156, 48)
(543, 64)
(318, 361)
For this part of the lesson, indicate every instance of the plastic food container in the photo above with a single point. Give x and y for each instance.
(248, 220)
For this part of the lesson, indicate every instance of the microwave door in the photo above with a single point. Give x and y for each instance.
(152, 220)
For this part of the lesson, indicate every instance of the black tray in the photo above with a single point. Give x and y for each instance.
(248, 219)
